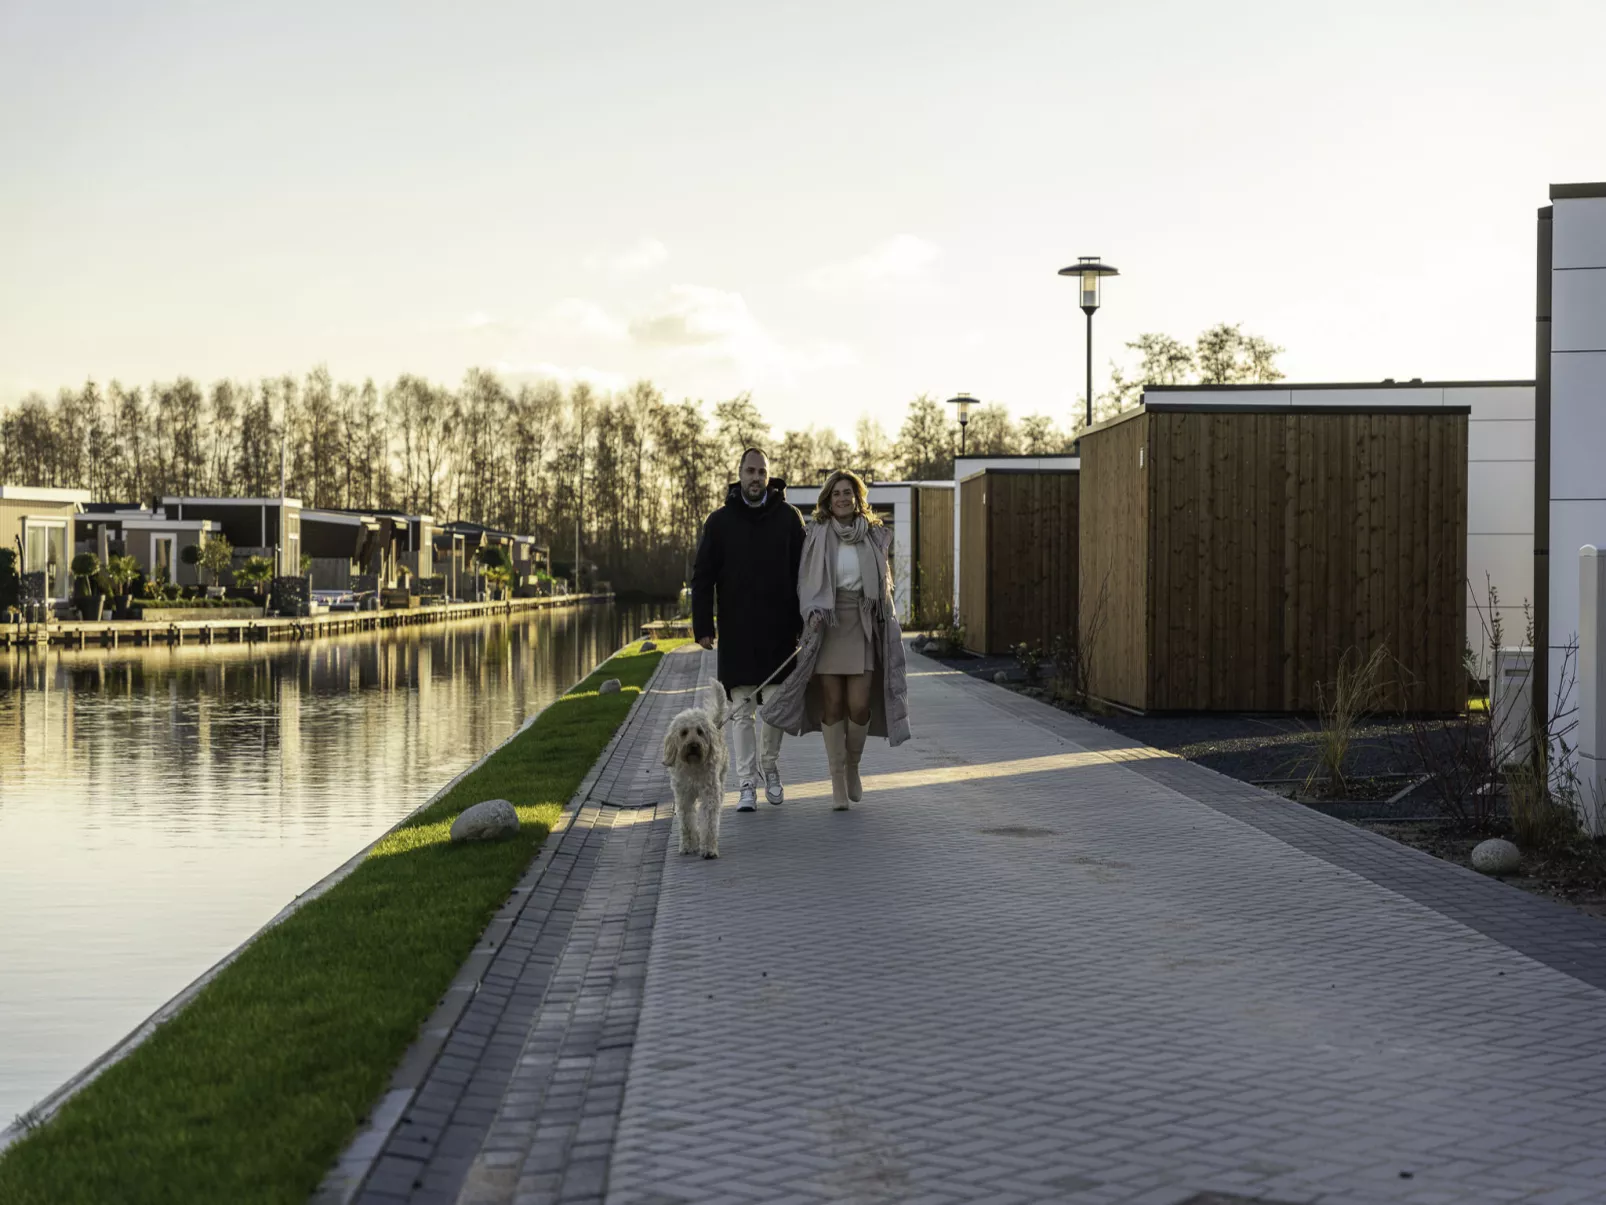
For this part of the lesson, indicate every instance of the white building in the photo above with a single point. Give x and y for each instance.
(1500, 475)
(1570, 412)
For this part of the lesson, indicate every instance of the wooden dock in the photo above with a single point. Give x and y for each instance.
(111, 633)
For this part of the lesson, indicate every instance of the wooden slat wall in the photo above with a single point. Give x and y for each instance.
(1283, 541)
(934, 553)
(1115, 499)
(973, 573)
(1033, 534)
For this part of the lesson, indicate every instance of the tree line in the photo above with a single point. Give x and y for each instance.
(639, 472)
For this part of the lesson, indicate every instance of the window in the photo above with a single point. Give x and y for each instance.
(44, 550)
(162, 557)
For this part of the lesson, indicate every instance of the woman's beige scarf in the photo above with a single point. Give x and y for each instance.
(816, 578)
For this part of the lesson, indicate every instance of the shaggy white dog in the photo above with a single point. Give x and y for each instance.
(694, 751)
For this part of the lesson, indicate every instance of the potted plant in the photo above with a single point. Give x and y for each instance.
(121, 572)
(256, 573)
(216, 555)
(84, 567)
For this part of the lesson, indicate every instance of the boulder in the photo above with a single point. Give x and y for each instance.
(488, 821)
(1496, 856)
(647, 646)
(610, 687)
(1001, 677)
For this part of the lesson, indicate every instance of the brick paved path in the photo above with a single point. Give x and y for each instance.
(1038, 963)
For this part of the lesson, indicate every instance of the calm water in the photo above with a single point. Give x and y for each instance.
(158, 805)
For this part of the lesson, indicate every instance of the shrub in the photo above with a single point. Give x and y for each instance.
(10, 582)
(191, 554)
(120, 571)
(217, 556)
(1353, 695)
(84, 567)
(1030, 658)
(257, 572)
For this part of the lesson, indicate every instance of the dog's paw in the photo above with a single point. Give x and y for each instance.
(687, 849)
(710, 855)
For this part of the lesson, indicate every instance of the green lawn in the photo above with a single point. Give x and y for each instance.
(250, 1093)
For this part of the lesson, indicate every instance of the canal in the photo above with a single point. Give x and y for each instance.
(158, 805)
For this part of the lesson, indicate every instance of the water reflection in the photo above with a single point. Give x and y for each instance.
(157, 805)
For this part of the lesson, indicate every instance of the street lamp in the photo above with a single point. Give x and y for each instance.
(964, 401)
(1088, 270)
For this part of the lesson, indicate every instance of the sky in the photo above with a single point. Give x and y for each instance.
(834, 205)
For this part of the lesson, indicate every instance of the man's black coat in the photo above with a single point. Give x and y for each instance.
(747, 562)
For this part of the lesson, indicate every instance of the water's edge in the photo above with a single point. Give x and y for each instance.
(51, 1104)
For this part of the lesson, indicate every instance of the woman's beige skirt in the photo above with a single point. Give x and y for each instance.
(847, 648)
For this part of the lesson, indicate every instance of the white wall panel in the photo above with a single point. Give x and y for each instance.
(1222, 397)
(1578, 425)
(1494, 401)
(1578, 233)
(1578, 310)
(1509, 562)
(1500, 497)
(1416, 395)
(1572, 525)
(1505, 440)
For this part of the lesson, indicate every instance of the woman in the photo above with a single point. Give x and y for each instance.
(849, 682)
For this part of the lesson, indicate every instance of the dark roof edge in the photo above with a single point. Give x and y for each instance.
(1577, 192)
(1281, 385)
(1263, 408)
(1012, 456)
(1278, 408)
(1021, 472)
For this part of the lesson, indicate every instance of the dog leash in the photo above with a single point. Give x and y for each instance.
(791, 657)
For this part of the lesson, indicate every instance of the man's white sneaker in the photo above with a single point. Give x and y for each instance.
(748, 802)
(772, 787)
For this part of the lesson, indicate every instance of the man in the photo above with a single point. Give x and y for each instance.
(747, 563)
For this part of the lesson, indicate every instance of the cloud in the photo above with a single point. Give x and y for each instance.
(641, 256)
(695, 316)
(570, 318)
(709, 325)
(577, 317)
(899, 258)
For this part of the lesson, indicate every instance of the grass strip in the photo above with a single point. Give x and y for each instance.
(251, 1092)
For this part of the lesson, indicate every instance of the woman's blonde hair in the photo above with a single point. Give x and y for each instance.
(861, 497)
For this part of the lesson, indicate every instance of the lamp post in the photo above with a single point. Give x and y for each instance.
(1087, 269)
(964, 401)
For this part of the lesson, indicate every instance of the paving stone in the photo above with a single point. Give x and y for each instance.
(1032, 929)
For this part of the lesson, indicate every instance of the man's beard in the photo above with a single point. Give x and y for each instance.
(755, 491)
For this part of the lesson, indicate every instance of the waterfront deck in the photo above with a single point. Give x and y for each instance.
(1038, 963)
(112, 633)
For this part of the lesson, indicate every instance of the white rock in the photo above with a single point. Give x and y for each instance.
(488, 821)
(1001, 677)
(610, 687)
(1496, 856)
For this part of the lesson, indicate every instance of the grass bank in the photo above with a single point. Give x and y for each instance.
(250, 1092)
